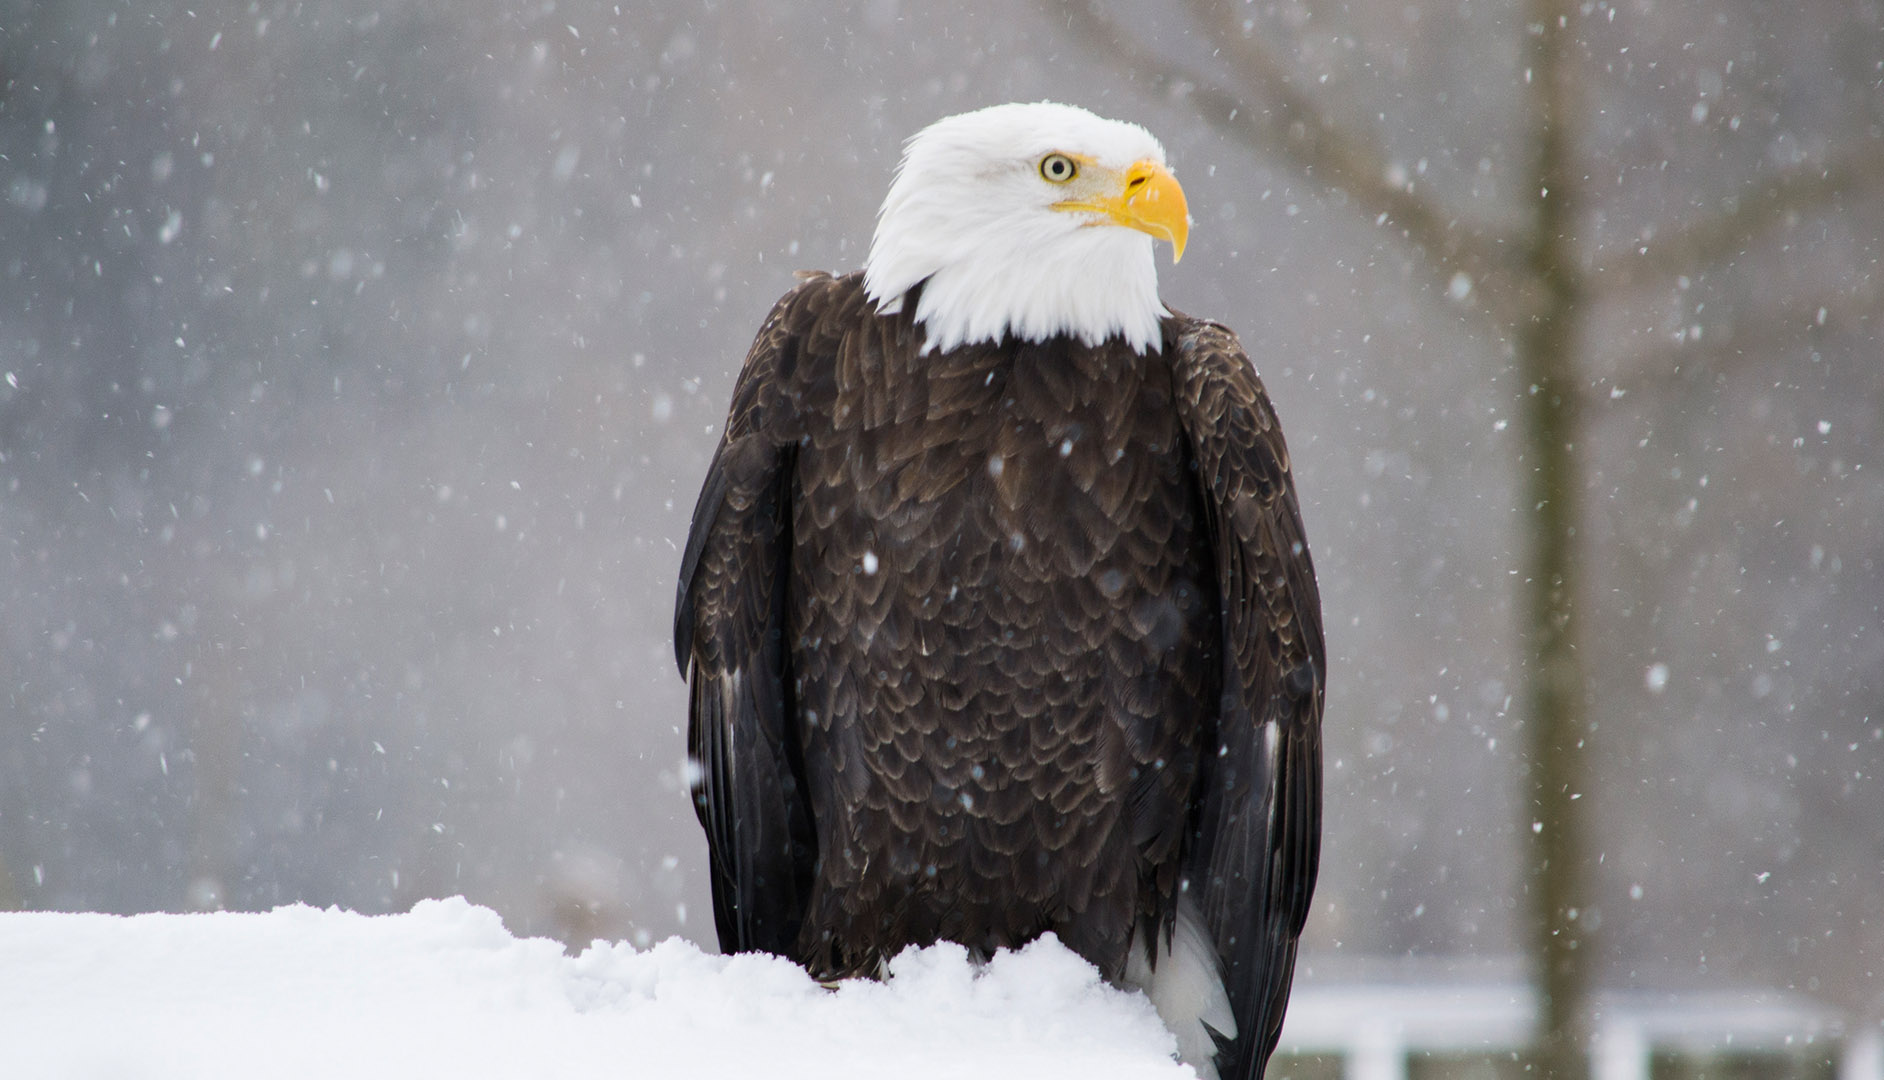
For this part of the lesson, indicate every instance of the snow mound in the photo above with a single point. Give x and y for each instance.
(446, 991)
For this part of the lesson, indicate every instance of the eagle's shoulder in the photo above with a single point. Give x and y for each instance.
(1221, 396)
(1250, 485)
(820, 310)
(800, 335)
(1213, 368)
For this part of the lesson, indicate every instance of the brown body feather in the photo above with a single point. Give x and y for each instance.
(1002, 640)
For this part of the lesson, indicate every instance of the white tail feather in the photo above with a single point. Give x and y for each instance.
(1186, 987)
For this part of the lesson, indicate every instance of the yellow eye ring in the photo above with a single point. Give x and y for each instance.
(1058, 168)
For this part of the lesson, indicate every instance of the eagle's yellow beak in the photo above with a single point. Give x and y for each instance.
(1148, 199)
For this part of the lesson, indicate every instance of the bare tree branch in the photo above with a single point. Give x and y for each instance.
(1669, 365)
(1696, 243)
(1342, 158)
(1288, 120)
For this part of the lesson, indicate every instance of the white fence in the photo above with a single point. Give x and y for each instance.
(1373, 1025)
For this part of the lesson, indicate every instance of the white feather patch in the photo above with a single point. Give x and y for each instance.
(1186, 987)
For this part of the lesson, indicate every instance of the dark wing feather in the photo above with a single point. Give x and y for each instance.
(729, 636)
(1259, 812)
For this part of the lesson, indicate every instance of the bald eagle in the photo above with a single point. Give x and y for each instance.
(997, 608)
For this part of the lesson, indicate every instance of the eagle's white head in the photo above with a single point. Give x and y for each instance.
(1030, 220)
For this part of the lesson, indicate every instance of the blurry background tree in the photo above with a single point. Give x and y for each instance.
(1535, 281)
(359, 362)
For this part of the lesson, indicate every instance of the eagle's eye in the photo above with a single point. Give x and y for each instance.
(1057, 168)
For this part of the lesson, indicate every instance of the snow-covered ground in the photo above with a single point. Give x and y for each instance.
(446, 991)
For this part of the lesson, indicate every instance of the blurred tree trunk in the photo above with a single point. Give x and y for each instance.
(1555, 685)
(1535, 289)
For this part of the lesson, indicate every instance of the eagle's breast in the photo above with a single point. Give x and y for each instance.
(1001, 603)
